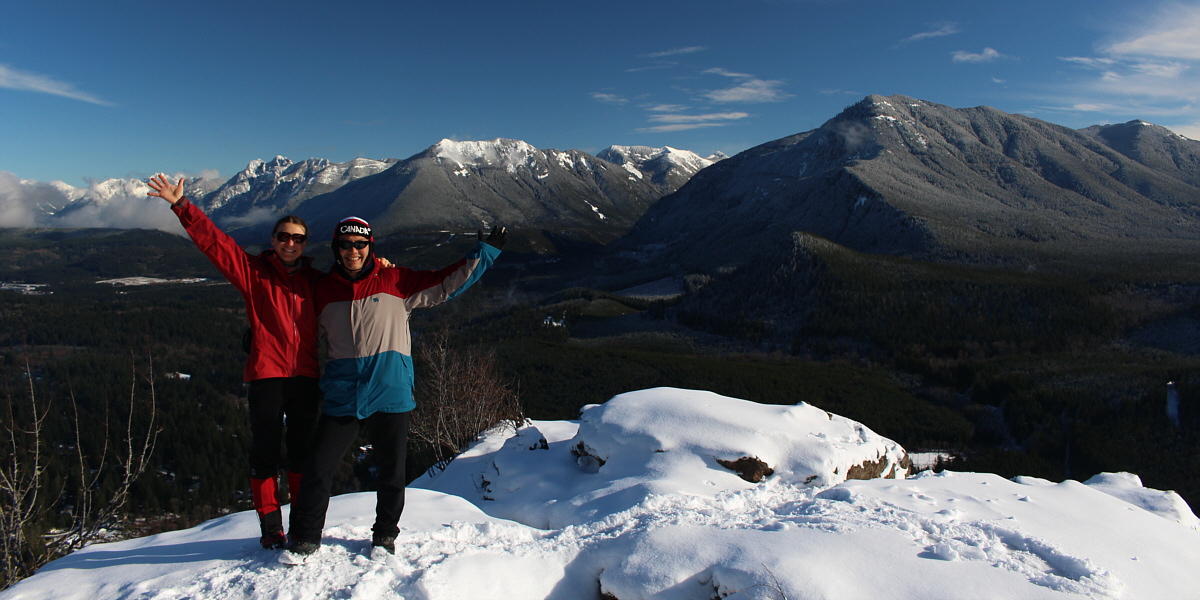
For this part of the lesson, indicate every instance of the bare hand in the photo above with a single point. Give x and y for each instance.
(385, 263)
(163, 189)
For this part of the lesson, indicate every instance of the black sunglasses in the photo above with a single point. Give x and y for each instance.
(282, 237)
(356, 244)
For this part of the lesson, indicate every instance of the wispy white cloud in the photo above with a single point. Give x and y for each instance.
(988, 55)
(749, 89)
(1089, 61)
(667, 108)
(1094, 107)
(939, 29)
(744, 88)
(726, 73)
(608, 98)
(674, 121)
(1189, 130)
(1173, 33)
(676, 118)
(675, 52)
(1148, 70)
(1169, 70)
(15, 79)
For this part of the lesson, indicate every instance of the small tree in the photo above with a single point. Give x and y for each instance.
(20, 479)
(461, 395)
(23, 503)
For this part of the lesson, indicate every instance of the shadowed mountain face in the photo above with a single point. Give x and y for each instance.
(894, 175)
(1153, 146)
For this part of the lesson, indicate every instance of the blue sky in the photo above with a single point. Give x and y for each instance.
(98, 90)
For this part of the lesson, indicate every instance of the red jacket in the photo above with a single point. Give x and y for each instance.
(279, 305)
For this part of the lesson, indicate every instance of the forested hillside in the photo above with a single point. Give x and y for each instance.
(1011, 372)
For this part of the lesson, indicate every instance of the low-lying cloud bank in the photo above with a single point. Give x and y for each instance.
(118, 203)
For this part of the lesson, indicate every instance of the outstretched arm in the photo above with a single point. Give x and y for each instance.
(221, 250)
(427, 288)
(164, 189)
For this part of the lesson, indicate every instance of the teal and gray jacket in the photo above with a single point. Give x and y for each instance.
(364, 322)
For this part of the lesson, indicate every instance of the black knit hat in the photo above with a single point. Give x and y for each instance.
(353, 226)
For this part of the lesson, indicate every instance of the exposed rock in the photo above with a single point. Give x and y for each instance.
(749, 468)
(876, 469)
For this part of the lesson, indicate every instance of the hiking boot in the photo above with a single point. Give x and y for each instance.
(386, 542)
(271, 527)
(273, 541)
(305, 548)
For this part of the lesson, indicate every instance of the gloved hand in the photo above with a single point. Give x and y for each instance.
(496, 239)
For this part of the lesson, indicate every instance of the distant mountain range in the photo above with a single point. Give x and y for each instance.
(450, 186)
(888, 175)
(899, 176)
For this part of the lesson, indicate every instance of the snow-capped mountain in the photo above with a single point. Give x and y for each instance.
(667, 167)
(101, 194)
(450, 185)
(281, 184)
(466, 185)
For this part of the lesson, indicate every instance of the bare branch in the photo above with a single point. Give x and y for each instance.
(20, 480)
(461, 396)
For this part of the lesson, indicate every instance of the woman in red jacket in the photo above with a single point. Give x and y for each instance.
(277, 286)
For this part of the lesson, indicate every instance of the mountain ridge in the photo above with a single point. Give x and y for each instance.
(450, 185)
(896, 175)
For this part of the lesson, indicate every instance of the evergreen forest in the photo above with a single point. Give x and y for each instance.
(1054, 375)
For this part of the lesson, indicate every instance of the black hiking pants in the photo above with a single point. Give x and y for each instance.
(388, 435)
(275, 401)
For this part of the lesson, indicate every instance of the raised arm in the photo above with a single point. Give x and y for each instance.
(218, 246)
(427, 288)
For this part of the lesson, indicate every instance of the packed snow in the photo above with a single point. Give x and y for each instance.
(632, 502)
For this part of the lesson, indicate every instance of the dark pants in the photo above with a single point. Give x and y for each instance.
(275, 401)
(388, 435)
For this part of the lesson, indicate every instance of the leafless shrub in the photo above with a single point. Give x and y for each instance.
(23, 478)
(461, 395)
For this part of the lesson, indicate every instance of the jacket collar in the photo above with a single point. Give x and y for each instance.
(367, 270)
(274, 260)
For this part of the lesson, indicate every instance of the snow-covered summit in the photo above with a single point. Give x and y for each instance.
(641, 155)
(662, 519)
(666, 167)
(280, 183)
(496, 152)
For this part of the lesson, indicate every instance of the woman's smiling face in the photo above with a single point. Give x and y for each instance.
(289, 250)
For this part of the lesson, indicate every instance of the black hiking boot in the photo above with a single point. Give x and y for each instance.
(304, 548)
(271, 525)
(386, 542)
(273, 541)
